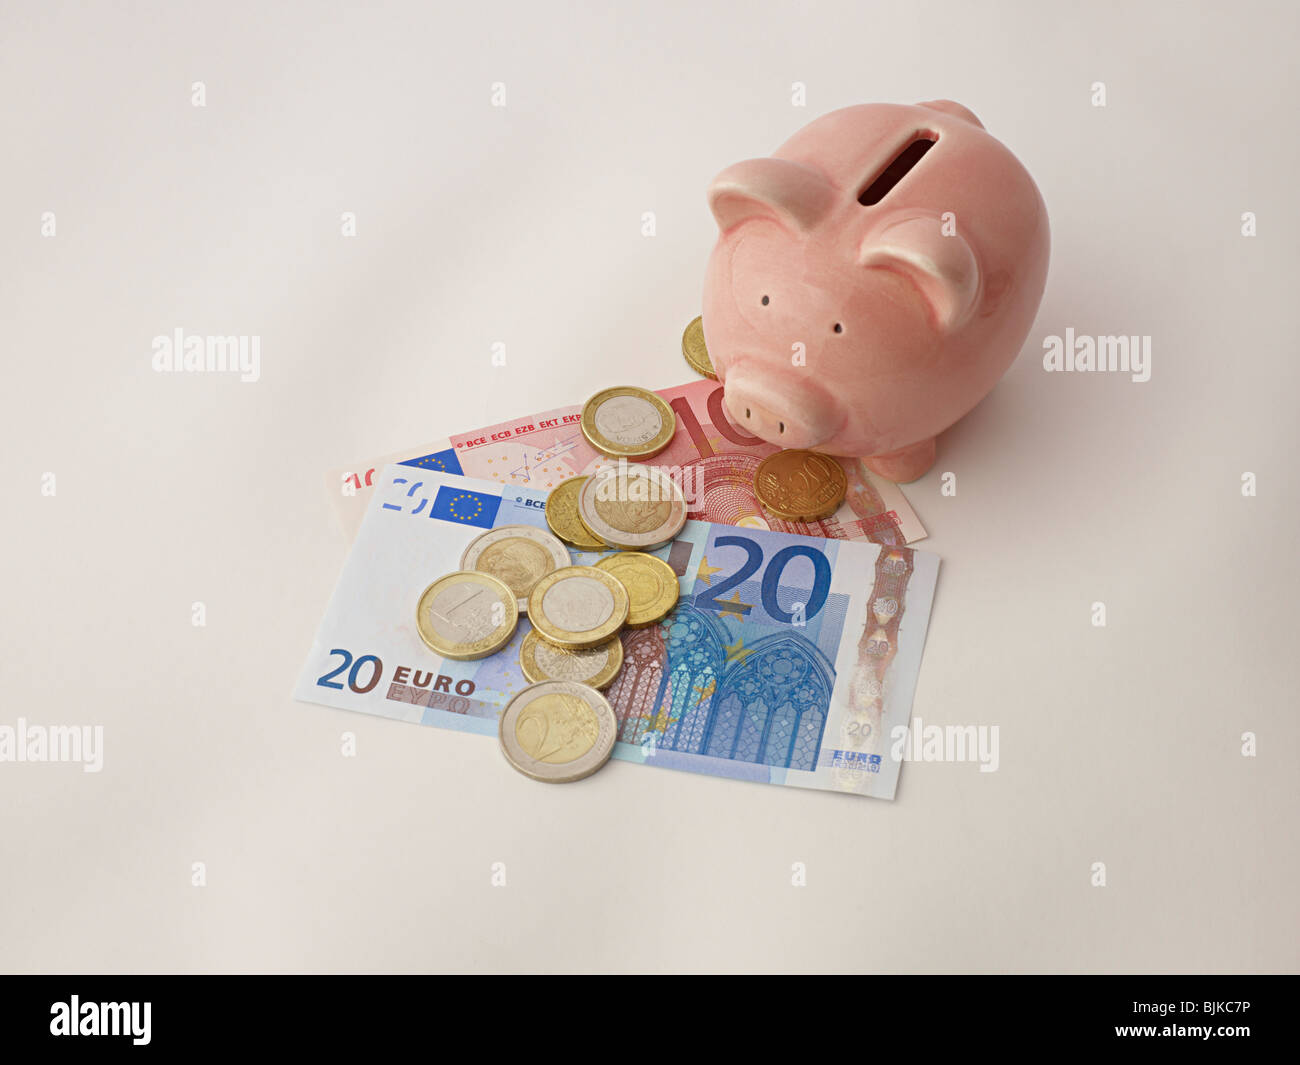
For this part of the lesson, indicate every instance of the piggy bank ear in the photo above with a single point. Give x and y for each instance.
(794, 195)
(942, 267)
(952, 107)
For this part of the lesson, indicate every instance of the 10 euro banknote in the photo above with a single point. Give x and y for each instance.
(712, 460)
(788, 659)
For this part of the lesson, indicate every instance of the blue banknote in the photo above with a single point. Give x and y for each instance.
(787, 660)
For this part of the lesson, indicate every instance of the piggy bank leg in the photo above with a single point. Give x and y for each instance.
(906, 464)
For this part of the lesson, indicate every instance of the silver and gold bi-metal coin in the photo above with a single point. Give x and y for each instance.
(578, 607)
(467, 615)
(629, 422)
(558, 731)
(634, 508)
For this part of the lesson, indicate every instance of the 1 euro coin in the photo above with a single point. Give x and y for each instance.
(634, 508)
(578, 606)
(629, 422)
(467, 615)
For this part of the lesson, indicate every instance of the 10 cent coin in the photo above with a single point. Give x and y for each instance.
(694, 351)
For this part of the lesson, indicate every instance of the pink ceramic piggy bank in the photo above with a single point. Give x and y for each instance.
(872, 280)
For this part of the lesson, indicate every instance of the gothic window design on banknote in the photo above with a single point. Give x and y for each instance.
(700, 689)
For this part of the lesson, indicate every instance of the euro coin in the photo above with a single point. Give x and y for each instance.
(597, 666)
(800, 485)
(520, 555)
(694, 351)
(562, 515)
(635, 508)
(578, 606)
(630, 423)
(558, 731)
(467, 615)
(651, 584)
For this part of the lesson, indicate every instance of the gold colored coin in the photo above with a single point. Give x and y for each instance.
(694, 351)
(562, 516)
(466, 615)
(591, 533)
(578, 606)
(596, 666)
(800, 485)
(631, 423)
(651, 585)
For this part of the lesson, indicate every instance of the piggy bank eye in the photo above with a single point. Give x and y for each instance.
(839, 328)
(766, 301)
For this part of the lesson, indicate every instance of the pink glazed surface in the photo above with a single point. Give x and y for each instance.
(933, 288)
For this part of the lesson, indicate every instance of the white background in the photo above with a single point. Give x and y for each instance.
(523, 225)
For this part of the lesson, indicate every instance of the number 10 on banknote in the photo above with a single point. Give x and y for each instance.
(713, 460)
(788, 659)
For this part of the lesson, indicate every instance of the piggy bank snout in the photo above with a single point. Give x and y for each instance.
(784, 418)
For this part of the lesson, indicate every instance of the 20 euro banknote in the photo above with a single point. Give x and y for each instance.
(712, 460)
(788, 659)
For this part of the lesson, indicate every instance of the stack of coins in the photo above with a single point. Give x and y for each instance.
(560, 728)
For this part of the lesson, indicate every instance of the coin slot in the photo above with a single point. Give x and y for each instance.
(897, 168)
